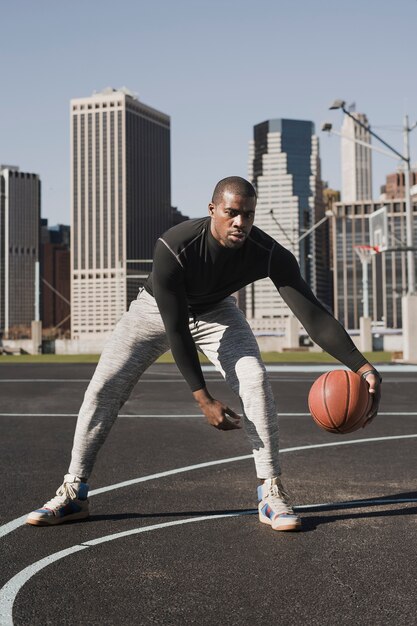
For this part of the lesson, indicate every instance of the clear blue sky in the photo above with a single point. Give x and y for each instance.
(216, 67)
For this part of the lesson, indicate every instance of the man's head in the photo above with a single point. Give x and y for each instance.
(232, 211)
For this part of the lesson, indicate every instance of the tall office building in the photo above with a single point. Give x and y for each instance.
(284, 166)
(356, 160)
(121, 203)
(394, 187)
(55, 273)
(20, 205)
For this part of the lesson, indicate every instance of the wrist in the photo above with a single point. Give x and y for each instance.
(367, 370)
(202, 396)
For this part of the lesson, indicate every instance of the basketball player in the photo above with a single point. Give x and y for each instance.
(186, 304)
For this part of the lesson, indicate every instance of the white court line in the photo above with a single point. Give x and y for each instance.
(87, 380)
(324, 367)
(134, 481)
(10, 590)
(301, 507)
(351, 504)
(164, 415)
(9, 527)
(181, 380)
(398, 368)
(20, 521)
(44, 380)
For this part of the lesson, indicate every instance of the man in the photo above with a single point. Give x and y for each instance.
(186, 304)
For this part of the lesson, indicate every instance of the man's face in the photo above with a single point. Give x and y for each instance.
(232, 219)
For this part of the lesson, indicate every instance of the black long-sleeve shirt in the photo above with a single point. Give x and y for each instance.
(192, 272)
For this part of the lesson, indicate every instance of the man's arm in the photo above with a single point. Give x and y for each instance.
(170, 294)
(321, 326)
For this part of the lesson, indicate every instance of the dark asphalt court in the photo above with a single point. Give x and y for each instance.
(353, 563)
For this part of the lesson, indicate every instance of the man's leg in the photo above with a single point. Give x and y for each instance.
(137, 341)
(226, 338)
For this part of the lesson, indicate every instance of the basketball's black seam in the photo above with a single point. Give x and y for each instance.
(325, 403)
(347, 399)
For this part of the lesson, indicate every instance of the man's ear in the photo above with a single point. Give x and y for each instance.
(211, 208)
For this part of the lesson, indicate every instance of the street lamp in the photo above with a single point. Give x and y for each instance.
(340, 104)
(327, 214)
(409, 301)
(327, 127)
(292, 327)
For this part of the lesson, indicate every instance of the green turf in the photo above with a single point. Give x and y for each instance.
(268, 357)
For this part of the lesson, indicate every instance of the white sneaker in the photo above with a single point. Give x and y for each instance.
(70, 503)
(274, 507)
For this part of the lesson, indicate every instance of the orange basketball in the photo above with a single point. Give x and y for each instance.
(339, 401)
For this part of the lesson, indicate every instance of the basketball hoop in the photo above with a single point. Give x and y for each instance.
(365, 253)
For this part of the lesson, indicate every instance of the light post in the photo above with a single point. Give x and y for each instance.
(329, 213)
(36, 326)
(409, 301)
(340, 104)
(409, 206)
(292, 326)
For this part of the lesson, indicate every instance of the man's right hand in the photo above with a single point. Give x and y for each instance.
(218, 414)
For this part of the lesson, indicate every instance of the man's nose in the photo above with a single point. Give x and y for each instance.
(239, 221)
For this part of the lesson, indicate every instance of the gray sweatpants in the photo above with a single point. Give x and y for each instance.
(139, 338)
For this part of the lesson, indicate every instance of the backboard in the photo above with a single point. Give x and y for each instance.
(378, 229)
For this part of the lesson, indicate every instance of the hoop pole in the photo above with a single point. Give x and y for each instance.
(411, 280)
(365, 288)
(365, 254)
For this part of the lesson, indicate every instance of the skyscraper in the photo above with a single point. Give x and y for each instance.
(284, 166)
(395, 185)
(20, 205)
(356, 160)
(55, 273)
(120, 199)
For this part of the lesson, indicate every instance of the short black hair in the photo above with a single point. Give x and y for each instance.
(236, 185)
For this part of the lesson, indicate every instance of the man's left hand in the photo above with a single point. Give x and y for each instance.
(373, 379)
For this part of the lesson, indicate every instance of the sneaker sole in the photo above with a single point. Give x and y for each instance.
(288, 526)
(53, 521)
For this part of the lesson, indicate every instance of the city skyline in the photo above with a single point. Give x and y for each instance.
(206, 66)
